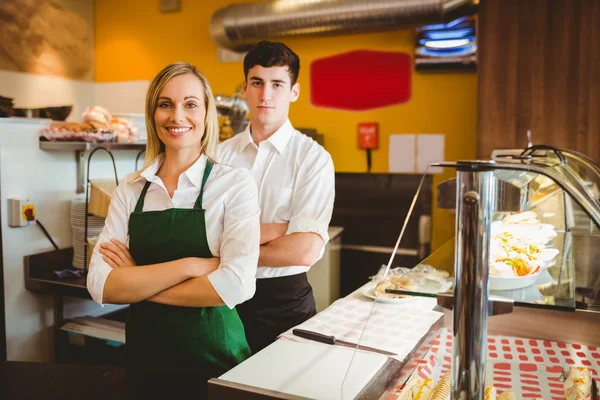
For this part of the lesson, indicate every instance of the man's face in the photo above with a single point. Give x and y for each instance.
(269, 93)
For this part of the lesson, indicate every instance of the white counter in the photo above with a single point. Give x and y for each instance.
(313, 370)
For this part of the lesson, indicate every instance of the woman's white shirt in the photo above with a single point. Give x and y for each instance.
(232, 223)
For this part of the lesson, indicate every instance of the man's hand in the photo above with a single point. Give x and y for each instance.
(116, 254)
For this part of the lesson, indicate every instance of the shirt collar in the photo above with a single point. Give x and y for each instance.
(282, 136)
(194, 173)
(279, 139)
(245, 138)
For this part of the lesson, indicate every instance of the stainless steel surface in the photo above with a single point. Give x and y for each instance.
(496, 305)
(235, 108)
(563, 178)
(84, 146)
(380, 249)
(475, 196)
(364, 348)
(238, 26)
(80, 148)
(331, 340)
(508, 196)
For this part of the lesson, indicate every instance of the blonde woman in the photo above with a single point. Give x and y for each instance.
(192, 232)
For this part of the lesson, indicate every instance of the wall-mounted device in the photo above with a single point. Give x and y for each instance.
(21, 212)
(368, 139)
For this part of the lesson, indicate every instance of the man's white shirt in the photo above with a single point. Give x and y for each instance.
(295, 180)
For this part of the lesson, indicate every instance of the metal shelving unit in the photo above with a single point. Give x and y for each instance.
(81, 147)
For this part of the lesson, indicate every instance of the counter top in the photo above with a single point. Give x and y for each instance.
(317, 371)
(334, 231)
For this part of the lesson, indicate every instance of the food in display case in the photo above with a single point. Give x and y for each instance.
(577, 383)
(518, 251)
(422, 278)
(418, 389)
(443, 388)
(527, 217)
(506, 396)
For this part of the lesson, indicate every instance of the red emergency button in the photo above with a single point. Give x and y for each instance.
(29, 214)
(361, 80)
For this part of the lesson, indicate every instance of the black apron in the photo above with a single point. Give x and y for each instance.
(278, 305)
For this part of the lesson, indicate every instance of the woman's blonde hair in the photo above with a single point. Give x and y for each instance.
(210, 139)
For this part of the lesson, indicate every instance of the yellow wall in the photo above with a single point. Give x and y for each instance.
(134, 40)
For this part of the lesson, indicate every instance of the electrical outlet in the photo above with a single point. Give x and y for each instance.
(21, 212)
(168, 6)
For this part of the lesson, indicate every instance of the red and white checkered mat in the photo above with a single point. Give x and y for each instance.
(528, 368)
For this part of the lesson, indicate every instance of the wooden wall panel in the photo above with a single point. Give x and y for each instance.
(539, 69)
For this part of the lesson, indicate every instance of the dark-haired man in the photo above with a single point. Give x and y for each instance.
(295, 179)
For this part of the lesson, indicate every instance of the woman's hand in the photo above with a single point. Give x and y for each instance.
(204, 266)
(116, 254)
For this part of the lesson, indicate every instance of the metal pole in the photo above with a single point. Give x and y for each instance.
(475, 197)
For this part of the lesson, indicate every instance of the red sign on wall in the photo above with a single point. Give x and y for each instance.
(368, 135)
(361, 80)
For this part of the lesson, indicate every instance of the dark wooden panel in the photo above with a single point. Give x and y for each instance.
(372, 207)
(538, 70)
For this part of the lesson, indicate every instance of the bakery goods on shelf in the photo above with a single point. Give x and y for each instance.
(97, 125)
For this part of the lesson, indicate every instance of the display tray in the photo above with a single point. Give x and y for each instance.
(554, 287)
(529, 368)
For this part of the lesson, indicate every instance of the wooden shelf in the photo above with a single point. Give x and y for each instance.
(40, 276)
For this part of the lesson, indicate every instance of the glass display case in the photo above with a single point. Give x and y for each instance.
(526, 253)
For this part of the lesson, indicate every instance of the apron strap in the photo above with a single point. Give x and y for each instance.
(207, 169)
(140, 203)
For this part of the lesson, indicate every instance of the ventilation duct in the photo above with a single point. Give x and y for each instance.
(239, 26)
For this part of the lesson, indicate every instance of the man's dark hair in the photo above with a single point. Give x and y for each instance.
(272, 54)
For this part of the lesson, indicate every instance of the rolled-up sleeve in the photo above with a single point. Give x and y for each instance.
(312, 204)
(115, 227)
(235, 279)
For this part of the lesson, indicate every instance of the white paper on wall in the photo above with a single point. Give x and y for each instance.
(402, 153)
(430, 148)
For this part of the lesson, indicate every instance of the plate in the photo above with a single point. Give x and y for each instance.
(504, 283)
(368, 291)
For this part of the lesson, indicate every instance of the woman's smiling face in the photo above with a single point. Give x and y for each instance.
(180, 113)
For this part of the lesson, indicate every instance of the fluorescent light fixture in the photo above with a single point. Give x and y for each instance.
(446, 44)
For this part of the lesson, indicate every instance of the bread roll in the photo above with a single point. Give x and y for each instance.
(490, 393)
(527, 217)
(507, 396)
(443, 389)
(578, 384)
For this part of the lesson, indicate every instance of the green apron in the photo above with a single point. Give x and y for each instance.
(164, 336)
